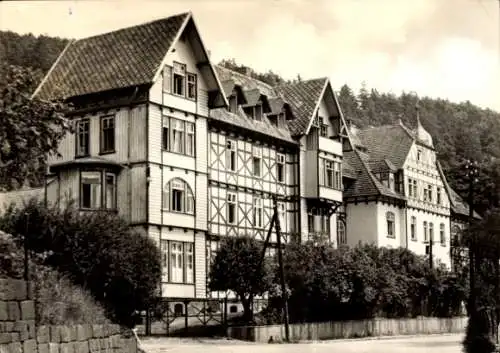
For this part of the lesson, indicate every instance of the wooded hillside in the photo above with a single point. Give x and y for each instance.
(460, 130)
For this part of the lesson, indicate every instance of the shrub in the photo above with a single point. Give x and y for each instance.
(97, 251)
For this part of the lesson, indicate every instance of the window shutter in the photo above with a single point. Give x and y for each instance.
(167, 79)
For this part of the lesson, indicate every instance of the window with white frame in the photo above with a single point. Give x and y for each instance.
(189, 263)
(97, 190)
(429, 193)
(341, 233)
(431, 231)
(329, 174)
(257, 212)
(282, 215)
(442, 234)
(190, 139)
(178, 197)
(179, 71)
(107, 144)
(438, 195)
(426, 232)
(231, 148)
(415, 188)
(191, 86)
(257, 161)
(413, 228)
(82, 137)
(280, 167)
(231, 208)
(391, 224)
(338, 178)
(178, 136)
(176, 268)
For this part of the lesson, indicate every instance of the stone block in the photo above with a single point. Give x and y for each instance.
(4, 289)
(83, 332)
(53, 347)
(55, 334)
(8, 326)
(5, 338)
(4, 311)
(105, 343)
(4, 348)
(26, 329)
(15, 347)
(28, 310)
(97, 331)
(68, 334)
(94, 345)
(20, 289)
(13, 311)
(30, 346)
(15, 337)
(43, 348)
(43, 334)
(82, 347)
(115, 341)
(67, 347)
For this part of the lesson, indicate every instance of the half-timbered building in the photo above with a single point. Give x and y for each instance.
(188, 152)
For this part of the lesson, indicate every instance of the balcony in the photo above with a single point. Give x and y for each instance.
(330, 146)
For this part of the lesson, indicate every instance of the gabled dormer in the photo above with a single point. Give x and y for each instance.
(234, 94)
(280, 113)
(257, 104)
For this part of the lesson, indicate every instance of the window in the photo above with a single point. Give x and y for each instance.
(282, 215)
(98, 190)
(233, 103)
(191, 86)
(189, 270)
(431, 232)
(391, 181)
(91, 190)
(176, 262)
(231, 208)
(179, 76)
(413, 228)
(429, 193)
(438, 195)
(82, 138)
(426, 234)
(280, 167)
(178, 197)
(257, 212)
(110, 191)
(323, 128)
(166, 134)
(325, 224)
(107, 134)
(442, 235)
(258, 112)
(178, 136)
(167, 79)
(391, 226)
(419, 155)
(338, 179)
(249, 111)
(341, 233)
(231, 155)
(257, 161)
(310, 223)
(415, 188)
(329, 173)
(190, 139)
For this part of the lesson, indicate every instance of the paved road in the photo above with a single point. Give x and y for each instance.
(423, 344)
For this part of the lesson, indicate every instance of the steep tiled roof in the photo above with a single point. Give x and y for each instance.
(246, 82)
(303, 97)
(118, 59)
(276, 103)
(390, 142)
(241, 120)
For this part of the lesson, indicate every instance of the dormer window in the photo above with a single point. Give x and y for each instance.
(233, 103)
(258, 112)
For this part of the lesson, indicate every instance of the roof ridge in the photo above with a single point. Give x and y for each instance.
(187, 13)
(324, 78)
(246, 76)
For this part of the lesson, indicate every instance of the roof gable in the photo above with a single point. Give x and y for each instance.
(304, 98)
(118, 59)
(127, 57)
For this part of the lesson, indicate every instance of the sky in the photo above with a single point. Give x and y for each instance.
(439, 48)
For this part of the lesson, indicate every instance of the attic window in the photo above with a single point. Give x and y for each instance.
(258, 112)
(233, 103)
(191, 86)
(179, 77)
(323, 128)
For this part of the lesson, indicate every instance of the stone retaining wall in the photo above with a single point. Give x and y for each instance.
(351, 329)
(20, 334)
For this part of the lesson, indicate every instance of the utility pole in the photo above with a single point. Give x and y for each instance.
(276, 223)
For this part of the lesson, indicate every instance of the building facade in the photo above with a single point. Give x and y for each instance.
(189, 153)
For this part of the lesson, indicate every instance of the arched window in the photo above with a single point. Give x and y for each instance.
(178, 197)
(391, 225)
(341, 234)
